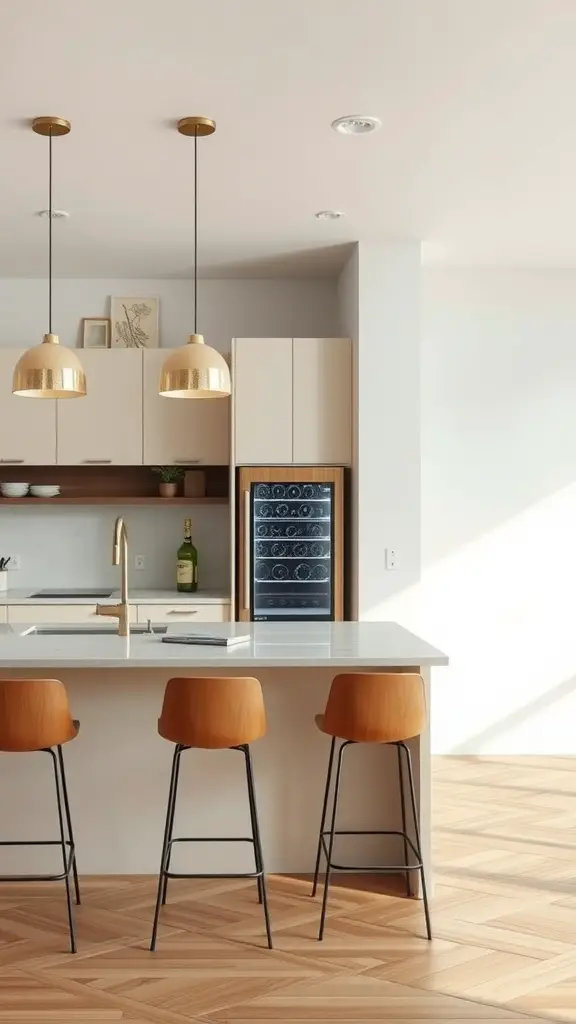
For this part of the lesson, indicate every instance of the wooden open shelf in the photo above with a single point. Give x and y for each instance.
(126, 499)
(110, 485)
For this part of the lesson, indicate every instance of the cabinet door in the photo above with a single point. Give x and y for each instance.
(263, 401)
(63, 613)
(184, 613)
(27, 425)
(105, 427)
(323, 401)
(182, 430)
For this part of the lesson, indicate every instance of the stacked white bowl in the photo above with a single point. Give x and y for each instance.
(14, 490)
(45, 490)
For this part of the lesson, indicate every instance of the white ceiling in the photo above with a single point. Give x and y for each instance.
(476, 156)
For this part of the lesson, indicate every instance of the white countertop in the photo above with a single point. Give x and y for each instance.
(24, 596)
(272, 645)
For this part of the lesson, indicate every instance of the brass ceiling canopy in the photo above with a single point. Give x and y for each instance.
(49, 370)
(196, 370)
(51, 126)
(196, 127)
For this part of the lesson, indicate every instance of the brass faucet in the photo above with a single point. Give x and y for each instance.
(119, 557)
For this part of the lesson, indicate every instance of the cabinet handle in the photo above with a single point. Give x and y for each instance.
(187, 462)
(247, 550)
(12, 462)
(96, 462)
(182, 611)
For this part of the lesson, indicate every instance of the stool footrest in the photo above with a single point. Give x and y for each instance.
(40, 878)
(212, 874)
(389, 869)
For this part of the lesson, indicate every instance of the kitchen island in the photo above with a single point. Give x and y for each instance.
(118, 767)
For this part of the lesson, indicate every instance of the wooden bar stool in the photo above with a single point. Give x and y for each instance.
(35, 716)
(373, 707)
(214, 714)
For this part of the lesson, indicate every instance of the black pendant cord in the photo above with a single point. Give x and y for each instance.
(50, 232)
(196, 231)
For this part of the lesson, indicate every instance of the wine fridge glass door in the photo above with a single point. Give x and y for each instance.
(292, 551)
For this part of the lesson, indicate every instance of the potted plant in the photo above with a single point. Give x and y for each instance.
(170, 477)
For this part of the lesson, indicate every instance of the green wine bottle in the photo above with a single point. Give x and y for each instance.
(187, 564)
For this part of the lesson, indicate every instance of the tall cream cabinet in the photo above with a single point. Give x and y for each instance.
(262, 389)
(105, 427)
(292, 401)
(182, 432)
(27, 427)
(322, 376)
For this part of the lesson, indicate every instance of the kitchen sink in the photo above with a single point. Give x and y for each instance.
(81, 630)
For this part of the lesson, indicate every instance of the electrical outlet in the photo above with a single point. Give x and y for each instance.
(139, 562)
(391, 558)
(14, 563)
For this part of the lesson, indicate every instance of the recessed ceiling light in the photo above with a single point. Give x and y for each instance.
(329, 214)
(56, 214)
(356, 124)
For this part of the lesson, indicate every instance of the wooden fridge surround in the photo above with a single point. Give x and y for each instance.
(290, 474)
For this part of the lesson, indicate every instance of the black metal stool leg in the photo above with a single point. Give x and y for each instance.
(417, 834)
(253, 823)
(171, 827)
(69, 823)
(323, 819)
(403, 808)
(66, 864)
(165, 846)
(331, 842)
(258, 856)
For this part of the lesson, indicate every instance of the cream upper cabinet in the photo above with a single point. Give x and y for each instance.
(322, 387)
(292, 401)
(27, 425)
(262, 386)
(105, 427)
(182, 430)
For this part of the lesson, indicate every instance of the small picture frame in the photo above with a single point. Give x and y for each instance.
(134, 322)
(95, 332)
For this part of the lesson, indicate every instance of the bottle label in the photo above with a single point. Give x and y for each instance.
(186, 571)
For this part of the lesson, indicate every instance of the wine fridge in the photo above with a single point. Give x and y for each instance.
(290, 544)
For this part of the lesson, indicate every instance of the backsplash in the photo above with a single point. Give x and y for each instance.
(72, 547)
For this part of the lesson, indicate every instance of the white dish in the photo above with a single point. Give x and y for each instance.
(14, 490)
(44, 490)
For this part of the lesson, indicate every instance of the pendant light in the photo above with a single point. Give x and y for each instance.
(49, 370)
(195, 370)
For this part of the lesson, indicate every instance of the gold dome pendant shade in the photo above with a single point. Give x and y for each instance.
(49, 370)
(195, 370)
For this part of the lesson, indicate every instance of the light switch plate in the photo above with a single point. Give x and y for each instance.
(391, 558)
(139, 562)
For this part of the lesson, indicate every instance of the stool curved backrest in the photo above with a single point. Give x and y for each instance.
(213, 712)
(34, 715)
(375, 707)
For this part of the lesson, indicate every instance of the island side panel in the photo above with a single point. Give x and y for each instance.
(118, 771)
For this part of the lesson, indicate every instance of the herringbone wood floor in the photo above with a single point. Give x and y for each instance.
(504, 918)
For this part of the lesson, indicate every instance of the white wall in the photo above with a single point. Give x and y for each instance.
(379, 293)
(72, 547)
(499, 508)
(226, 309)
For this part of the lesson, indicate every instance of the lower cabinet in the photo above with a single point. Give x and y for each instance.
(65, 613)
(84, 613)
(184, 613)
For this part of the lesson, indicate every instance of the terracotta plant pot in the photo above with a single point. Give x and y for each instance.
(168, 490)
